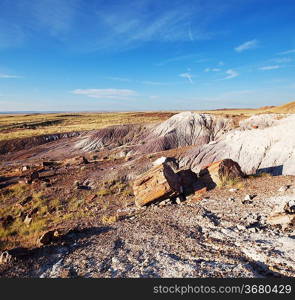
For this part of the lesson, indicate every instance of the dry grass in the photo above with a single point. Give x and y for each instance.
(20, 126)
(53, 210)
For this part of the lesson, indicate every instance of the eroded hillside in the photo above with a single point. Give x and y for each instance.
(67, 196)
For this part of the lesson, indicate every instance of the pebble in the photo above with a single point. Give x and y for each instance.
(283, 188)
(178, 201)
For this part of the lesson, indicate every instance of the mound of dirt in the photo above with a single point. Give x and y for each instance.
(288, 108)
(112, 137)
(269, 150)
(27, 143)
(184, 129)
(180, 130)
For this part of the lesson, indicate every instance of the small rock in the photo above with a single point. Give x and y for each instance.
(91, 197)
(241, 227)
(83, 187)
(248, 197)
(6, 221)
(282, 219)
(27, 220)
(283, 188)
(178, 201)
(231, 199)
(48, 237)
(85, 160)
(252, 229)
(49, 163)
(232, 190)
(26, 201)
(290, 207)
(5, 257)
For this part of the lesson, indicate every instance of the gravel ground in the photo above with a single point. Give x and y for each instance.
(214, 237)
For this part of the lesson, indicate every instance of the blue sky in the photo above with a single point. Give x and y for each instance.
(75, 55)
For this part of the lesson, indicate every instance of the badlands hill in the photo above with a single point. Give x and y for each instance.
(190, 195)
(288, 108)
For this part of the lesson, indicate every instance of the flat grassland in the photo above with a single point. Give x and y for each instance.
(14, 126)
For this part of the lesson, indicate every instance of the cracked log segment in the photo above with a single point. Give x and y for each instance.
(158, 183)
(220, 172)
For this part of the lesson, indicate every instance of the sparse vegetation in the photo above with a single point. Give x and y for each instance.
(18, 126)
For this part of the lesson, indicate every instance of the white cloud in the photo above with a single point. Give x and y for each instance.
(147, 82)
(212, 70)
(123, 94)
(221, 63)
(119, 79)
(287, 52)
(267, 68)
(247, 45)
(9, 76)
(231, 74)
(282, 60)
(176, 59)
(188, 76)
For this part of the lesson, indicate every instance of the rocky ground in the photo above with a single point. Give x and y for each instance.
(218, 236)
(68, 205)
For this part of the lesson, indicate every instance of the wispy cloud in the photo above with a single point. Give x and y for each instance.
(119, 79)
(287, 52)
(120, 94)
(177, 58)
(103, 25)
(212, 70)
(247, 45)
(231, 74)
(267, 68)
(52, 17)
(188, 76)
(9, 76)
(147, 82)
(282, 60)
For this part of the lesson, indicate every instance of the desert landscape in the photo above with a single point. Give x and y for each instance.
(150, 140)
(148, 194)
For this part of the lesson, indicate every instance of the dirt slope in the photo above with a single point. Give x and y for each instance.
(288, 108)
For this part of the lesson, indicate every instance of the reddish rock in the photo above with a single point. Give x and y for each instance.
(78, 160)
(220, 172)
(159, 183)
(91, 198)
